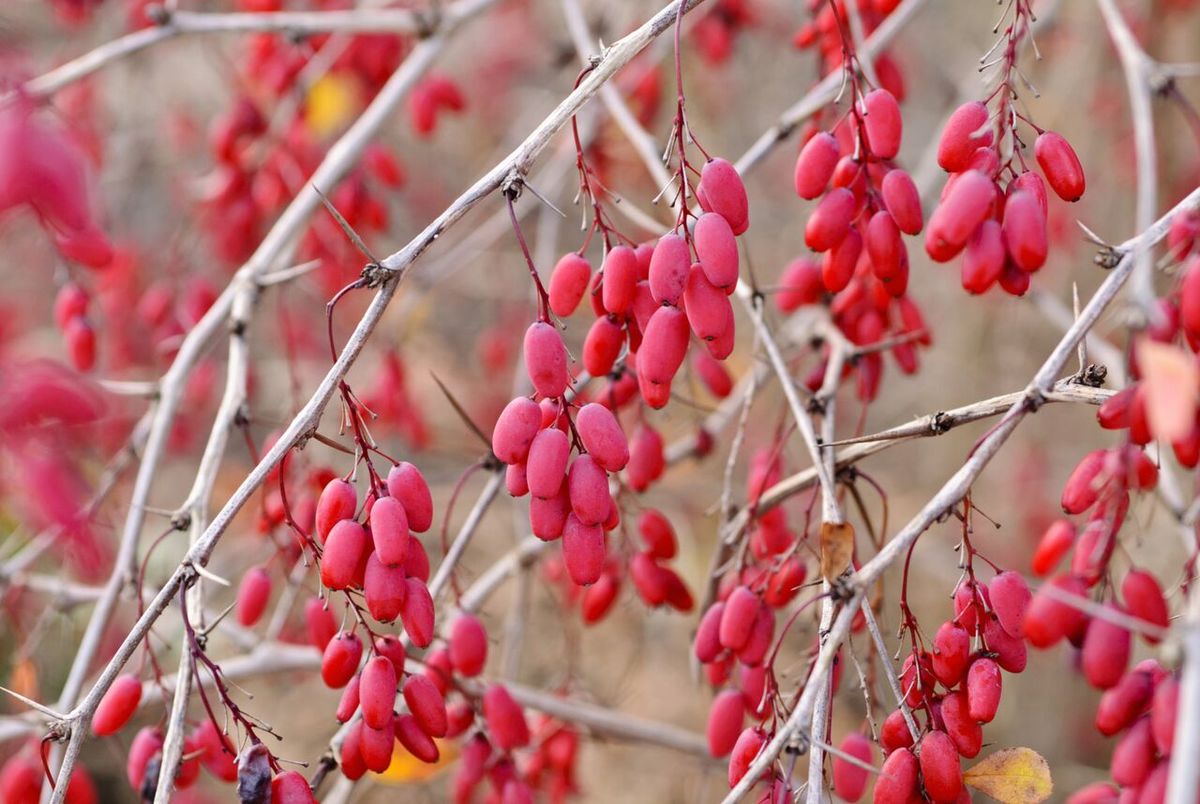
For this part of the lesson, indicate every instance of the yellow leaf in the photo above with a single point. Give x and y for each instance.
(1171, 387)
(1012, 776)
(407, 769)
(837, 548)
(331, 103)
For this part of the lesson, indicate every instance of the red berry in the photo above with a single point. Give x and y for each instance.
(146, 745)
(1011, 653)
(1082, 488)
(621, 275)
(1025, 231)
(737, 621)
(348, 703)
(722, 189)
(717, 250)
(546, 360)
(850, 781)
(749, 743)
(289, 787)
(964, 730)
(346, 549)
(1106, 648)
(1122, 703)
(253, 594)
(903, 201)
(389, 531)
(584, 551)
(377, 692)
(983, 262)
(338, 501)
(505, 720)
(984, 685)
(815, 165)
(669, 267)
(1144, 600)
(468, 645)
(799, 284)
(1164, 713)
(602, 437)
(960, 138)
(707, 644)
(1010, 598)
(664, 345)
(321, 626)
(968, 200)
(117, 706)
(427, 705)
(939, 767)
(883, 123)
(897, 782)
(417, 615)
(1133, 756)
(830, 222)
(1054, 544)
(602, 346)
(1058, 161)
(725, 716)
(518, 424)
(951, 652)
(547, 463)
(340, 660)
(414, 740)
(407, 484)
(657, 534)
(568, 282)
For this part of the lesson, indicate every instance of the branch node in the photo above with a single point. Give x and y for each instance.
(942, 423)
(1092, 376)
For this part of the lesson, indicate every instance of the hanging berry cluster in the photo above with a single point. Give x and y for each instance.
(994, 209)
(866, 205)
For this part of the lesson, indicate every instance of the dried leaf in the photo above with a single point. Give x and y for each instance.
(331, 104)
(1171, 384)
(1012, 776)
(837, 548)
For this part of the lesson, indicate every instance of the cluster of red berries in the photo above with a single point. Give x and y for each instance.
(867, 205)
(569, 498)
(824, 33)
(45, 170)
(997, 223)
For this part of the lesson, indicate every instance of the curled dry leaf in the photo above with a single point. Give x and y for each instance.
(1012, 776)
(1172, 388)
(837, 548)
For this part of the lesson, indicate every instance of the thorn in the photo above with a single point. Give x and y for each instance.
(474, 428)
(45, 710)
(346, 227)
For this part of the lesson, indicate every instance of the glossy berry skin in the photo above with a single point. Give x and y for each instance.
(737, 620)
(951, 651)
(984, 685)
(748, 744)
(346, 548)
(427, 705)
(117, 706)
(546, 360)
(1061, 166)
(414, 740)
(338, 501)
(602, 437)
(830, 222)
(1106, 650)
(850, 781)
(669, 267)
(964, 731)
(960, 139)
(407, 484)
(884, 125)
(340, 660)
(505, 720)
(290, 787)
(518, 424)
(621, 275)
(815, 165)
(377, 692)
(389, 531)
(903, 201)
(897, 782)
(546, 468)
(1010, 597)
(468, 645)
(940, 770)
(1144, 599)
(725, 716)
(568, 282)
(584, 551)
(717, 250)
(254, 593)
(721, 191)
(417, 614)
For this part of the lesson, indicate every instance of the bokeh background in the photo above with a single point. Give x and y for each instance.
(145, 118)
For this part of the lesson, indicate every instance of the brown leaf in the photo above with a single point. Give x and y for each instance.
(1171, 387)
(1012, 776)
(837, 548)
